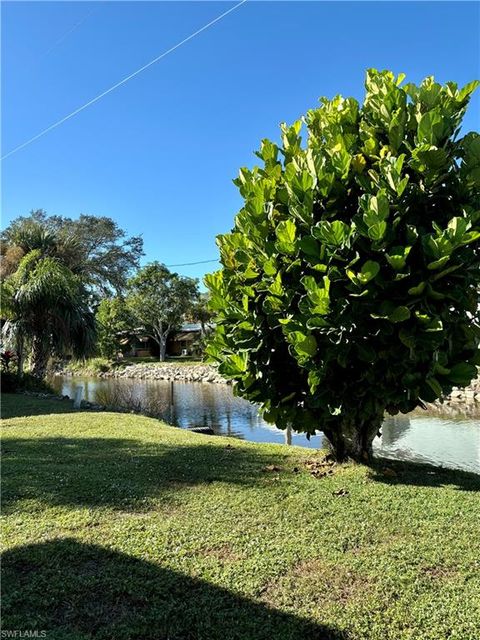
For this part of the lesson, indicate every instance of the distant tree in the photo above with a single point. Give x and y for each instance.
(202, 313)
(159, 300)
(95, 248)
(112, 318)
(350, 281)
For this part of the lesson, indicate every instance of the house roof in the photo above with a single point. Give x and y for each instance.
(184, 335)
(191, 326)
(186, 328)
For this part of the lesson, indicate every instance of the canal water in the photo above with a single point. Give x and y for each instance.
(450, 440)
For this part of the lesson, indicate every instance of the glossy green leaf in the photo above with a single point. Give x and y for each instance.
(400, 314)
(286, 232)
(435, 387)
(417, 290)
(318, 294)
(462, 373)
(377, 231)
(335, 234)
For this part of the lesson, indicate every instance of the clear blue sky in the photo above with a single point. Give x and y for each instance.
(159, 153)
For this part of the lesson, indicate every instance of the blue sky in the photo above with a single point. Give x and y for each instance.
(159, 153)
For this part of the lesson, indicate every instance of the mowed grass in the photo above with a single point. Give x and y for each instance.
(119, 527)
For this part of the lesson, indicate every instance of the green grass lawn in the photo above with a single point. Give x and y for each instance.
(117, 526)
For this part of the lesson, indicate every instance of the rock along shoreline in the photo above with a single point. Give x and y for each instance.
(153, 371)
(206, 373)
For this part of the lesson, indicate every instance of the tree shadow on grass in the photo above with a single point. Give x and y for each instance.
(17, 405)
(119, 473)
(398, 472)
(77, 591)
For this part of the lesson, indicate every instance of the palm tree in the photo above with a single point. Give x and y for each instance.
(46, 306)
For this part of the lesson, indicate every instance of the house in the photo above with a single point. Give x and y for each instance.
(185, 341)
(137, 345)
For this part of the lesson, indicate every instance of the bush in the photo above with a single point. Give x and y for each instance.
(349, 282)
(11, 383)
(93, 366)
(98, 365)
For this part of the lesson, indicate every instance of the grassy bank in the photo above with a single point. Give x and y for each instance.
(117, 526)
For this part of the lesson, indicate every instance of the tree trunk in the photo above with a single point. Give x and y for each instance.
(161, 337)
(39, 358)
(354, 438)
(162, 343)
(20, 356)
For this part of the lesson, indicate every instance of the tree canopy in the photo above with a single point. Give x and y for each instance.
(350, 279)
(93, 247)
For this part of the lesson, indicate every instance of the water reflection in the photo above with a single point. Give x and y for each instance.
(393, 428)
(452, 441)
(449, 441)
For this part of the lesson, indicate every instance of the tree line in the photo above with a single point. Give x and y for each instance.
(72, 286)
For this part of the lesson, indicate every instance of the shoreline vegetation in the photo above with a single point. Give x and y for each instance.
(191, 371)
(137, 540)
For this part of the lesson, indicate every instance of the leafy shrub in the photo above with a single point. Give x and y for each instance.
(11, 383)
(93, 366)
(350, 279)
(98, 365)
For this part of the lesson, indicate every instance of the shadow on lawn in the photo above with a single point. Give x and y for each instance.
(119, 473)
(125, 474)
(397, 473)
(80, 591)
(19, 405)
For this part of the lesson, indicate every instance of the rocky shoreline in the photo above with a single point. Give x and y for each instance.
(153, 371)
(206, 373)
(469, 395)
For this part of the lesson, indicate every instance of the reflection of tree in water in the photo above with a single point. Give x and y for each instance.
(202, 405)
(144, 399)
(393, 428)
(194, 404)
(288, 435)
(221, 411)
(229, 422)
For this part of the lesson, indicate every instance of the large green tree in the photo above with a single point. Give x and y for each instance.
(159, 300)
(93, 247)
(82, 259)
(350, 280)
(46, 306)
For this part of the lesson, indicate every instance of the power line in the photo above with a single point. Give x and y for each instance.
(68, 32)
(189, 264)
(121, 82)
